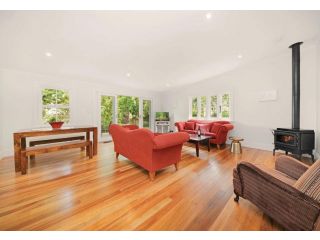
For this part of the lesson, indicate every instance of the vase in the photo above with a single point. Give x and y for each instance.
(56, 125)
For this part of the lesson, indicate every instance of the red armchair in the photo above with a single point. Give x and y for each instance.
(217, 129)
(150, 151)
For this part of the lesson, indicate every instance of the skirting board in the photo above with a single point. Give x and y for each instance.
(5, 153)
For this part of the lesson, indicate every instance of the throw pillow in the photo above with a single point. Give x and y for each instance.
(215, 127)
(189, 126)
(309, 182)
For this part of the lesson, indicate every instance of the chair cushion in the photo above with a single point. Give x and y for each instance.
(189, 125)
(190, 131)
(309, 182)
(215, 127)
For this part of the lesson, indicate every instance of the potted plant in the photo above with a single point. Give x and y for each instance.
(55, 121)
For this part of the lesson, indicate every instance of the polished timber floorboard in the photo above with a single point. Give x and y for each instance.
(67, 191)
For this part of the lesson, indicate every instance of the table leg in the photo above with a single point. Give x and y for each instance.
(208, 145)
(88, 139)
(95, 141)
(197, 148)
(17, 152)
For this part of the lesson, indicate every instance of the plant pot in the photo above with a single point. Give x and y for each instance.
(56, 125)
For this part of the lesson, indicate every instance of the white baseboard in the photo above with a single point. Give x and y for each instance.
(6, 153)
(261, 146)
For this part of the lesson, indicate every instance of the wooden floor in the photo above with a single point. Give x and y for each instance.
(67, 191)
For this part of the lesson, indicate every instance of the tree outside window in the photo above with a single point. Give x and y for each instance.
(225, 108)
(203, 106)
(194, 107)
(128, 110)
(55, 105)
(106, 113)
(214, 107)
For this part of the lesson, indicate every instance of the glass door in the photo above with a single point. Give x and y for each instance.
(146, 113)
(107, 115)
(128, 110)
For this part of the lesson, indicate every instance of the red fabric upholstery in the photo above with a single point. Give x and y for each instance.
(189, 126)
(215, 127)
(219, 129)
(150, 151)
(204, 127)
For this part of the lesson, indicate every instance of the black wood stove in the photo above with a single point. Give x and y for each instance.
(295, 140)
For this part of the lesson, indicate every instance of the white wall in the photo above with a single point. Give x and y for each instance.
(21, 101)
(318, 103)
(253, 119)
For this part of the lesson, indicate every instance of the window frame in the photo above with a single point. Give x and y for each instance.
(208, 106)
(41, 106)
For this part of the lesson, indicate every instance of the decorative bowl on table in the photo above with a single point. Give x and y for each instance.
(56, 125)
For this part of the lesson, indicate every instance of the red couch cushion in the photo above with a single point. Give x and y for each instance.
(213, 135)
(203, 127)
(189, 126)
(215, 127)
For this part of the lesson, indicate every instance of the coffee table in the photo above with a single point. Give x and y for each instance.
(195, 139)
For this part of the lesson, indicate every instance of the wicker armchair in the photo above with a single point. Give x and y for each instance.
(273, 191)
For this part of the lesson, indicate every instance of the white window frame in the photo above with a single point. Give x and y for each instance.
(39, 117)
(208, 107)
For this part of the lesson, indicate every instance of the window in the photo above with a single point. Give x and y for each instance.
(107, 110)
(194, 107)
(55, 105)
(225, 106)
(214, 107)
(128, 110)
(146, 113)
(203, 106)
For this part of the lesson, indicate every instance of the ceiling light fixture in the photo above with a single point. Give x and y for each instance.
(240, 56)
(128, 74)
(48, 54)
(208, 15)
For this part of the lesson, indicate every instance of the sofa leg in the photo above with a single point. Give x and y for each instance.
(236, 198)
(218, 146)
(152, 175)
(176, 165)
(117, 156)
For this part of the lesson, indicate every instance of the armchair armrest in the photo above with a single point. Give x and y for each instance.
(290, 166)
(227, 127)
(280, 185)
(170, 140)
(180, 125)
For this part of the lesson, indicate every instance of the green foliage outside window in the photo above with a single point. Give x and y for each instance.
(226, 105)
(213, 107)
(128, 110)
(55, 105)
(194, 107)
(203, 106)
(106, 113)
(146, 113)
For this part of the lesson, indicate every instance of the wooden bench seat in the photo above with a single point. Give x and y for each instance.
(31, 151)
(54, 140)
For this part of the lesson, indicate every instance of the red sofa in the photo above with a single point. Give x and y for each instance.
(148, 150)
(217, 129)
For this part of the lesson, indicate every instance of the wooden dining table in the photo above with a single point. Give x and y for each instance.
(20, 137)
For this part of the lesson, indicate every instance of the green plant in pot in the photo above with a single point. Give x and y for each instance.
(55, 121)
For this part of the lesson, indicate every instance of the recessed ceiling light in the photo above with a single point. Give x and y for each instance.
(128, 74)
(48, 54)
(208, 16)
(240, 56)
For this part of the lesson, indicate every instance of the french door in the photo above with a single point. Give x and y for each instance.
(123, 110)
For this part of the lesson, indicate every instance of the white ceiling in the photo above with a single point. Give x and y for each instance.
(160, 49)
